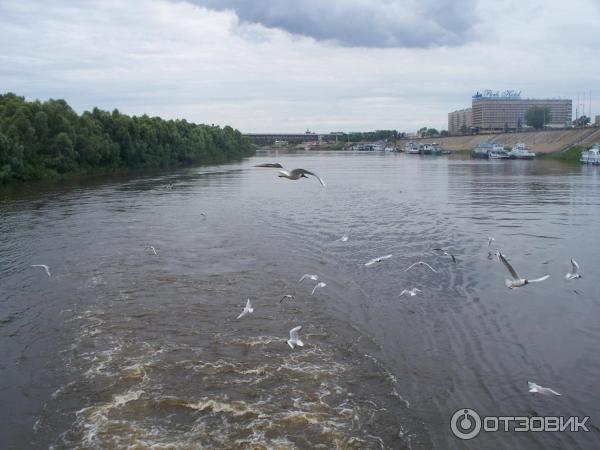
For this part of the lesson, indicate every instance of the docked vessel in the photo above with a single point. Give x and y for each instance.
(521, 151)
(411, 148)
(591, 156)
(430, 149)
(489, 150)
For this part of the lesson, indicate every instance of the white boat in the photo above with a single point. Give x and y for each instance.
(498, 152)
(591, 156)
(411, 148)
(521, 151)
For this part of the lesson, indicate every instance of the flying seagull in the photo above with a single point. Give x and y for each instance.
(344, 237)
(248, 309)
(536, 388)
(44, 266)
(294, 174)
(318, 285)
(154, 250)
(420, 263)
(294, 339)
(516, 280)
(575, 273)
(412, 292)
(309, 276)
(376, 260)
(445, 253)
(287, 297)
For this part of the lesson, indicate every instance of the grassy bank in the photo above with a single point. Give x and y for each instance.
(571, 155)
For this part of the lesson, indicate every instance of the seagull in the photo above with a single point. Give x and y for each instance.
(309, 276)
(536, 388)
(490, 240)
(248, 309)
(46, 268)
(344, 237)
(154, 250)
(517, 281)
(412, 292)
(294, 339)
(376, 260)
(287, 297)
(420, 263)
(203, 214)
(574, 274)
(445, 253)
(294, 174)
(318, 285)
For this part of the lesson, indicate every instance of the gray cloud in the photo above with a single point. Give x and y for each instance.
(362, 23)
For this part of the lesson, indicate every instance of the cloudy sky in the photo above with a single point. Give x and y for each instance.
(288, 65)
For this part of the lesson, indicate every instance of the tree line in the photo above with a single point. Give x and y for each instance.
(40, 140)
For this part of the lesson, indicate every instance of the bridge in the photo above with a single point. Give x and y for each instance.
(270, 138)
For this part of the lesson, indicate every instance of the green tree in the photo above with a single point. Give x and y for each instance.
(464, 129)
(582, 121)
(538, 116)
(432, 132)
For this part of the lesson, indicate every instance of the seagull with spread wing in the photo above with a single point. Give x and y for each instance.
(420, 263)
(294, 174)
(45, 267)
(537, 389)
(575, 271)
(248, 309)
(294, 339)
(516, 281)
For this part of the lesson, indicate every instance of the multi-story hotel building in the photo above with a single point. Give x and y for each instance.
(495, 111)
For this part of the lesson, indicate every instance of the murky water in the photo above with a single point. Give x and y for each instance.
(122, 348)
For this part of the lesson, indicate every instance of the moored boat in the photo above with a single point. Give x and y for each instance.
(411, 148)
(591, 156)
(521, 151)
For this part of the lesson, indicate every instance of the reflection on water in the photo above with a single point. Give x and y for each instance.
(124, 348)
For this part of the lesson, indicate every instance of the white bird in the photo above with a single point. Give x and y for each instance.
(344, 237)
(318, 285)
(154, 250)
(420, 263)
(490, 240)
(44, 266)
(294, 174)
(412, 292)
(287, 297)
(248, 309)
(574, 274)
(516, 280)
(309, 276)
(536, 388)
(294, 339)
(376, 260)
(445, 253)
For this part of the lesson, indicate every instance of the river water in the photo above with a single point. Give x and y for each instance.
(122, 348)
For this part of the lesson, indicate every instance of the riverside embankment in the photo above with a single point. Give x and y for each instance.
(539, 141)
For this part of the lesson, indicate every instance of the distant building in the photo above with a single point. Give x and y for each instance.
(494, 111)
(597, 121)
(459, 119)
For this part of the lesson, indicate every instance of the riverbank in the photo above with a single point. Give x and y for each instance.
(49, 141)
(539, 141)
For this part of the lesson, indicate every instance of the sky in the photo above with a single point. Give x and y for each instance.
(291, 65)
